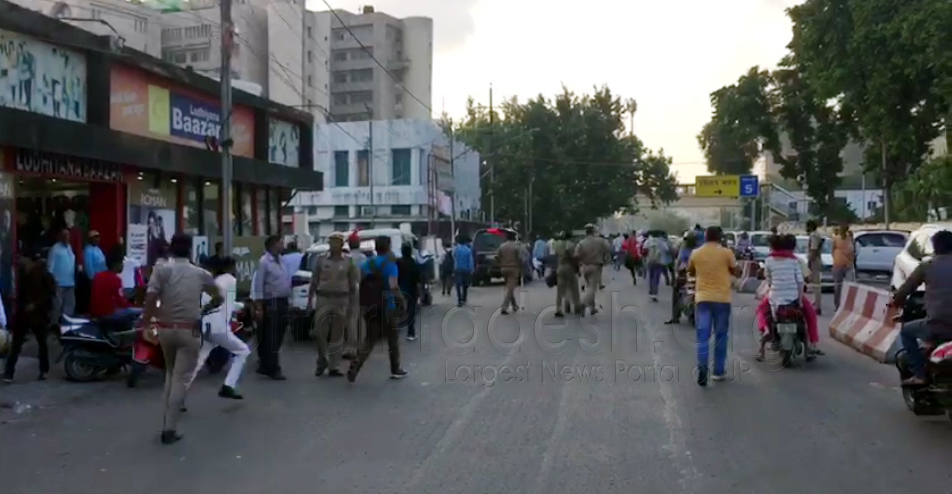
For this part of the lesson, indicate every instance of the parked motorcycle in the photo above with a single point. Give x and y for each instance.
(935, 397)
(788, 329)
(92, 349)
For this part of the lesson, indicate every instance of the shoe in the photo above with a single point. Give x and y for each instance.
(654, 299)
(559, 315)
(914, 381)
(335, 373)
(400, 374)
(459, 304)
(673, 321)
(41, 377)
(183, 409)
(170, 437)
(352, 371)
(505, 312)
(411, 337)
(719, 377)
(320, 370)
(701, 376)
(594, 311)
(278, 376)
(349, 356)
(8, 380)
(230, 392)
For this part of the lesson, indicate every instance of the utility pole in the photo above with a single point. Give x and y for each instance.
(885, 189)
(492, 166)
(452, 192)
(370, 172)
(224, 139)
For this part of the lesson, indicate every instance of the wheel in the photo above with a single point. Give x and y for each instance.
(78, 370)
(135, 372)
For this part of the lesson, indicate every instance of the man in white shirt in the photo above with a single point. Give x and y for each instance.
(216, 328)
(128, 276)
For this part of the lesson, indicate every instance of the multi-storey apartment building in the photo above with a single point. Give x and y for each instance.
(361, 48)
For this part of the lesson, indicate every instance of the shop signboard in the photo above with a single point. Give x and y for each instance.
(57, 165)
(246, 251)
(284, 143)
(146, 105)
(42, 78)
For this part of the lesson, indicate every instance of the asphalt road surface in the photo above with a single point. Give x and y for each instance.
(614, 410)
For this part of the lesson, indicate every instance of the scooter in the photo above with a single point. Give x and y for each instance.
(935, 397)
(91, 350)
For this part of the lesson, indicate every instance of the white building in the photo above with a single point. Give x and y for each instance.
(359, 88)
(404, 153)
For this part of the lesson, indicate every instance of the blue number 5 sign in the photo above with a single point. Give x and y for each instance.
(749, 186)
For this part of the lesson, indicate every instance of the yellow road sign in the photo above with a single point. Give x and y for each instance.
(717, 186)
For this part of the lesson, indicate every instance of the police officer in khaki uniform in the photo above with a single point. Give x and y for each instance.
(334, 285)
(566, 275)
(174, 287)
(593, 253)
(509, 257)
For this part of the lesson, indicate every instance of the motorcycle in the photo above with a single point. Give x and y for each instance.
(935, 397)
(686, 295)
(93, 348)
(426, 262)
(788, 329)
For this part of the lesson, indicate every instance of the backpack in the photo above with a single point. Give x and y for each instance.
(372, 290)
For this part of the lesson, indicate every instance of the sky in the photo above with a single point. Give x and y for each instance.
(668, 55)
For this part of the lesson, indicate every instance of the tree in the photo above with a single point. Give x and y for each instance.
(888, 65)
(741, 118)
(574, 155)
(667, 221)
(926, 191)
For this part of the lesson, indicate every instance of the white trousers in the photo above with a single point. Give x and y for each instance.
(227, 340)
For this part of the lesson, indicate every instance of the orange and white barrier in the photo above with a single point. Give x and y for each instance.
(865, 323)
(749, 279)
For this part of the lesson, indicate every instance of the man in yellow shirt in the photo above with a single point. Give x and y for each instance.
(712, 266)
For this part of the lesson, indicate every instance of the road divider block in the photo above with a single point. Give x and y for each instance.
(749, 279)
(865, 322)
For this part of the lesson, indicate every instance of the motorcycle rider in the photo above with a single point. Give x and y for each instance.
(743, 243)
(937, 325)
(688, 244)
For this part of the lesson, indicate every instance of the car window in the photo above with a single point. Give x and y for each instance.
(485, 241)
(894, 240)
(881, 240)
(759, 240)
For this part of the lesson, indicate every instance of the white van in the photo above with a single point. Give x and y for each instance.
(302, 278)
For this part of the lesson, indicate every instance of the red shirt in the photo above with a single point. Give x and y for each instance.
(106, 295)
(631, 246)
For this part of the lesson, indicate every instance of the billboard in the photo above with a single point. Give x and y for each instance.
(42, 78)
(151, 107)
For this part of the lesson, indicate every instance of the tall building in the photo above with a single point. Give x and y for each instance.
(360, 89)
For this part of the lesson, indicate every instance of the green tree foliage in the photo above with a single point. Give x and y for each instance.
(574, 152)
(926, 190)
(667, 221)
(741, 117)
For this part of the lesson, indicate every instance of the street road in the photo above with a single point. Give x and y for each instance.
(615, 410)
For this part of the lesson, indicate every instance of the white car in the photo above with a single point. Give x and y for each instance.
(917, 249)
(826, 257)
(876, 250)
(760, 242)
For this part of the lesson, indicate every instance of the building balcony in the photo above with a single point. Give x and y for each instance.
(398, 64)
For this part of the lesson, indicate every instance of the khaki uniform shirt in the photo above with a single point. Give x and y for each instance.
(564, 249)
(509, 255)
(593, 250)
(334, 277)
(179, 285)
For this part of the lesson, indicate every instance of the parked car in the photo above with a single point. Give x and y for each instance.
(876, 250)
(917, 249)
(730, 238)
(760, 241)
(485, 244)
(826, 257)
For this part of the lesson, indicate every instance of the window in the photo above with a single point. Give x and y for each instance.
(342, 211)
(211, 205)
(310, 56)
(190, 209)
(400, 210)
(881, 240)
(141, 25)
(363, 168)
(341, 168)
(340, 77)
(200, 55)
(341, 227)
(401, 167)
(261, 210)
(362, 97)
(340, 98)
(398, 98)
(362, 75)
(340, 56)
(310, 81)
(339, 34)
(310, 33)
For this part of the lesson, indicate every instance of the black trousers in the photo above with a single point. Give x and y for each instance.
(274, 322)
(378, 328)
(19, 338)
(676, 299)
(409, 321)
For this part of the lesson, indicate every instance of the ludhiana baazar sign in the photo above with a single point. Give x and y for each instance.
(152, 107)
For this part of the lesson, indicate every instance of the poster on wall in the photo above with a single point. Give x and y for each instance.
(284, 143)
(7, 233)
(137, 243)
(42, 78)
(199, 249)
(145, 105)
(153, 207)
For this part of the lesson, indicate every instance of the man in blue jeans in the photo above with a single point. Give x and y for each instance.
(937, 325)
(712, 265)
(465, 264)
